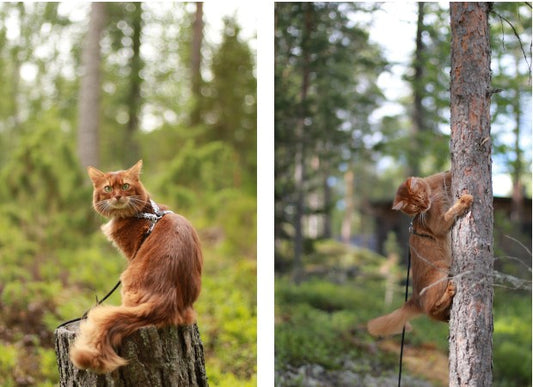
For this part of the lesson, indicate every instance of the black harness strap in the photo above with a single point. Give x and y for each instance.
(420, 234)
(153, 218)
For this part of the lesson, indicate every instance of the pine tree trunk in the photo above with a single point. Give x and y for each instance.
(89, 97)
(300, 148)
(413, 156)
(130, 150)
(171, 356)
(471, 322)
(196, 62)
(349, 209)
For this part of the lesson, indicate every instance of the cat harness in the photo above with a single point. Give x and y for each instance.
(152, 217)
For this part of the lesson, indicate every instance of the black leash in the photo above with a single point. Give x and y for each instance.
(406, 296)
(98, 302)
(153, 218)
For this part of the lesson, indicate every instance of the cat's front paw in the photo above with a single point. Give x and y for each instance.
(466, 200)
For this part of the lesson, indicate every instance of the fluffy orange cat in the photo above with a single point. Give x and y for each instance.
(163, 276)
(428, 200)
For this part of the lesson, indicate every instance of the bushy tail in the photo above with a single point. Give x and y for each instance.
(105, 328)
(394, 322)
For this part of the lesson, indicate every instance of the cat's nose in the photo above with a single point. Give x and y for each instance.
(117, 197)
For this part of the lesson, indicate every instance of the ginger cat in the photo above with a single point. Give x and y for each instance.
(428, 200)
(163, 276)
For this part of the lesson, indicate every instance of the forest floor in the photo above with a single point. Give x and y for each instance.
(321, 338)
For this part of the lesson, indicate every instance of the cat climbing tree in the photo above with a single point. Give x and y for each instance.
(171, 356)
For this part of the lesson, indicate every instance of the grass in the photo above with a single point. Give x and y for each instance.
(322, 321)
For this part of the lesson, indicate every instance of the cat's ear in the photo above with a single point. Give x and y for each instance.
(412, 182)
(398, 205)
(135, 171)
(95, 174)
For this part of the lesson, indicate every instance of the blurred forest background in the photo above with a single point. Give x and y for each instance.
(341, 151)
(108, 84)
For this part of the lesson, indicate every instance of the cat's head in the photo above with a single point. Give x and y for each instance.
(413, 196)
(118, 194)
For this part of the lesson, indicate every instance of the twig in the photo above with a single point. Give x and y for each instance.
(518, 37)
(511, 258)
(445, 279)
(520, 243)
(517, 283)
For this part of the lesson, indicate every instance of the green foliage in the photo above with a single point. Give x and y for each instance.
(49, 268)
(228, 316)
(512, 339)
(323, 320)
(8, 361)
(54, 259)
(231, 98)
(325, 90)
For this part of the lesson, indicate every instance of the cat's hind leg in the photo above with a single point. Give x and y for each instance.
(436, 298)
(441, 308)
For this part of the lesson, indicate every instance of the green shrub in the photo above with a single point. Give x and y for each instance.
(512, 338)
(227, 315)
(8, 360)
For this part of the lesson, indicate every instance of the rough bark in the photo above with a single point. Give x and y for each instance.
(471, 323)
(171, 356)
(89, 96)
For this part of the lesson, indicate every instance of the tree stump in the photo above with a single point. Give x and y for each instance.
(170, 356)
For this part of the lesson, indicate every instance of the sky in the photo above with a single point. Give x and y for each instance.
(244, 11)
(398, 46)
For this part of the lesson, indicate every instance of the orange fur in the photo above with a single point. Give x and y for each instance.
(428, 200)
(161, 282)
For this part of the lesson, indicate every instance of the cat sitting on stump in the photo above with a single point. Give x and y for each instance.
(163, 276)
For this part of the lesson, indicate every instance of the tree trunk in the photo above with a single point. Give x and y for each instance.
(327, 230)
(517, 209)
(196, 62)
(414, 154)
(89, 97)
(131, 151)
(300, 148)
(349, 206)
(170, 356)
(471, 322)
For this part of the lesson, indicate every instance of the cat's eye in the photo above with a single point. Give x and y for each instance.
(108, 188)
(125, 186)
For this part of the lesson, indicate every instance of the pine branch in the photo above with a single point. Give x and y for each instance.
(516, 283)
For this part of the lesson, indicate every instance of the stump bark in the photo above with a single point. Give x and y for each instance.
(170, 356)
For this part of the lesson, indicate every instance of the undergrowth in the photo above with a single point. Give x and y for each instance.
(323, 319)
